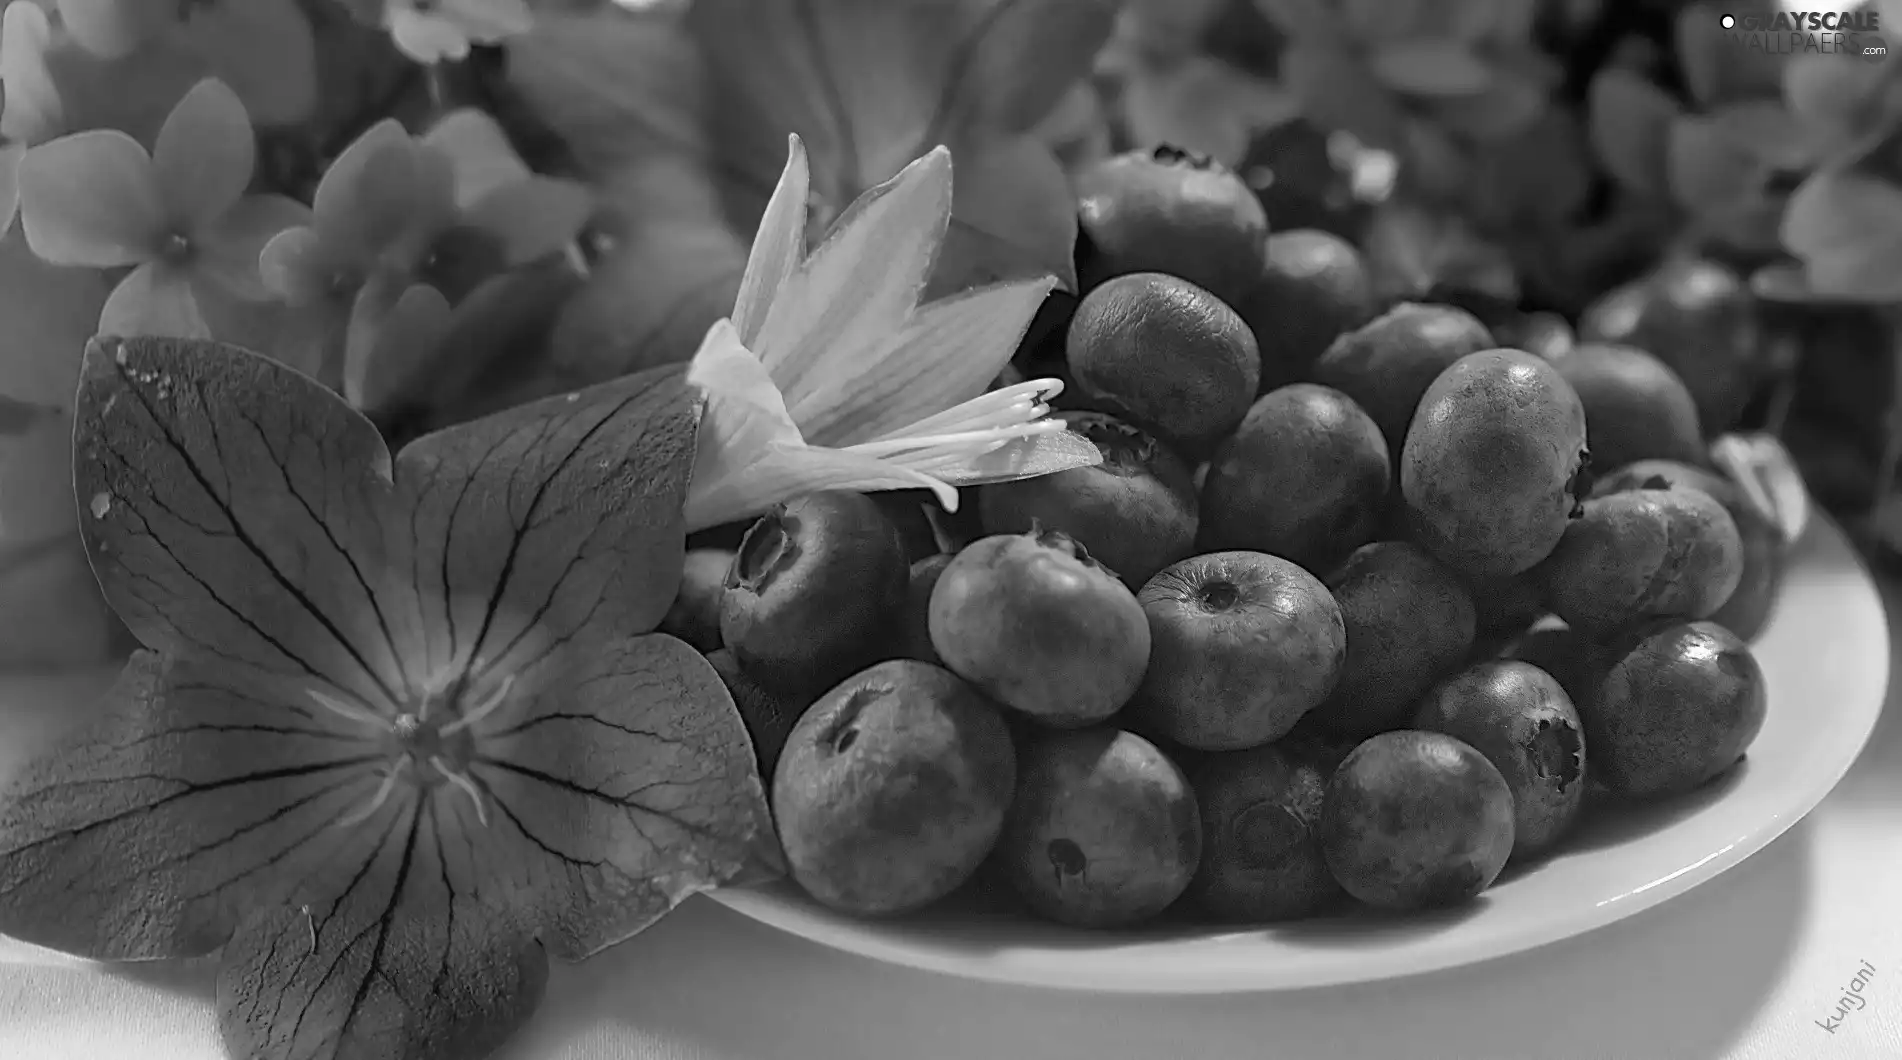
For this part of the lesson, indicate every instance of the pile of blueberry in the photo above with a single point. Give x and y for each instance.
(1344, 612)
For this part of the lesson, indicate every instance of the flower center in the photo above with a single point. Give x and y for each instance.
(426, 747)
(177, 248)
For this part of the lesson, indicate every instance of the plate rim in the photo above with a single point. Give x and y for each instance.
(767, 907)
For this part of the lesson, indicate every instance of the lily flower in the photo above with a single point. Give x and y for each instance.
(830, 375)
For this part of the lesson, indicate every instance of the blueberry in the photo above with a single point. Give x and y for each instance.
(1305, 476)
(815, 592)
(769, 716)
(1104, 830)
(1697, 316)
(1136, 510)
(1387, 364)
(1643, 554)
(1522, 720)
(1041, 627)
(1173, 211)
(1409, 623)
(1415, 820)
(1242, 644)
(892, 789)
(695, 615)
(924, 580)
(1167, 356)
(1314, 289)
(1261, 841)
(1677, 707)
(1636, 407)
(1750, 604)
(1492, 467)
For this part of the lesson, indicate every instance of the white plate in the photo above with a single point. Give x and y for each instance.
(1826, 656)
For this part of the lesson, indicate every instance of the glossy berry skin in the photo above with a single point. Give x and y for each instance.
(1697, 316)
(1135, 511)
(1171, 211)
(1314, 289)
(1242, 644)
(1040, 627)
(769, 717)
(1409, 623)
(1167, 356)
(1636, 407)
(892, 789)
(1261, 841)
(1522, 720)
(1305, 476)
(695, 614)
(1677, 707)
(816, 592)
(1416, 820)
(1492, 469)
(1643, 554)
(1104, 830)
(1750, 604)
(1387, 364)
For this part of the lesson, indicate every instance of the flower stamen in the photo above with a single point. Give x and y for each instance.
(489, 705)
(383, 792)
(1008, 405)
(464, 784)
(350, 709)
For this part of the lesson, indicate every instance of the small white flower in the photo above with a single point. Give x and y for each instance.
(829, 375)
(432, 31)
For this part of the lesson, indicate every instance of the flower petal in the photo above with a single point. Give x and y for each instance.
(204, 155)
(296, 265)
(745, 411)
(1014, 219)
(234, 512)
(1836, 210)
(670, 278)
(406, 337)
(862, 281)
(231, 249)
(93, 199)
(33, 112)
(428, 39)
(948, 352)
(532, 218)
(340, 194)
(750, 453)
(666, 802)
(114, 29)
(154, 299)
(479, 152)
(742, 490)
(409, 962)
(779, 245)
(582, 530)
(1037, 455)
(143, 834)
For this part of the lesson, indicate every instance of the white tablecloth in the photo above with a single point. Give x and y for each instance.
(1748, 967)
